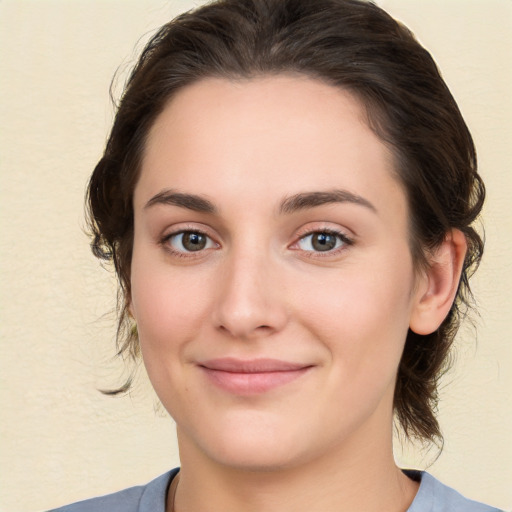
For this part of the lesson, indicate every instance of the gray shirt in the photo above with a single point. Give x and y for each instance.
(433, 496)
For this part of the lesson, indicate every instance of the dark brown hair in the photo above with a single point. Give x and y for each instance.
(351, 44)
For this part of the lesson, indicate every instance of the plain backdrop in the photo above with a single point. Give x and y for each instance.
(61, 440)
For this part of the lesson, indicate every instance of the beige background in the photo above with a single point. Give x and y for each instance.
(61, 440)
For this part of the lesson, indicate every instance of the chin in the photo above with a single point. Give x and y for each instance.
(253, 445)
(258, 458)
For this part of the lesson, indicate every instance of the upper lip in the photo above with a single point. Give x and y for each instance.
(264, 365)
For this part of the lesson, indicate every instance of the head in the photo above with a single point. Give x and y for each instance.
(351, 45)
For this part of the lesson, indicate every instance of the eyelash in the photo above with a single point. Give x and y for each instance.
(185, 254)
(342, 237)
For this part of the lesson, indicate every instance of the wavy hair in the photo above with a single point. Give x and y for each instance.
(353, 45)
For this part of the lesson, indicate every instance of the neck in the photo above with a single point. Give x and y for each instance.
(345, 479)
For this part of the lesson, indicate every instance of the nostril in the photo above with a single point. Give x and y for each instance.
(233, 332)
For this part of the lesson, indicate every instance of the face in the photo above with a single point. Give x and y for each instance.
(272, 280)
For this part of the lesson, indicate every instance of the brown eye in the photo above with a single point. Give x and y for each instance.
(194, 241)
(189, 241)
(323, 241)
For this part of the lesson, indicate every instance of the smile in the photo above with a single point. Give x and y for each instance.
(251, 377)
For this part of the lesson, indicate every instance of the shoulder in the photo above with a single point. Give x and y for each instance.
(143, 498)
(434, 496)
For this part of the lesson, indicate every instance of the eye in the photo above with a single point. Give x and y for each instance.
(189, 241)
(323, 241)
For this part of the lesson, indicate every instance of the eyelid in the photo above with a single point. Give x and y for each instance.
(347, 240)
(181, 229)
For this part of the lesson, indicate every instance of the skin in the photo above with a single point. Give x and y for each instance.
(260, 289)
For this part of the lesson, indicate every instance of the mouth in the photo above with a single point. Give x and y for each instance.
(251, 377)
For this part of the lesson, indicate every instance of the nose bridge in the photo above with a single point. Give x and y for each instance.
(250, 301)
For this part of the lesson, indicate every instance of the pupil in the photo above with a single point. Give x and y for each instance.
(324, 242)
(194, 241)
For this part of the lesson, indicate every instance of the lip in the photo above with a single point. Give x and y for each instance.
(251, 377)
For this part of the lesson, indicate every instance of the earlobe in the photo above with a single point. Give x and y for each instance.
(439, 283)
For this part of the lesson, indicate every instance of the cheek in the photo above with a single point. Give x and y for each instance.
(362, 317)
(170, 311)
(169, 308)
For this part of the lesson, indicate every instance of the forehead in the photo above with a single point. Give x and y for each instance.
(295, 106)
(294, 133)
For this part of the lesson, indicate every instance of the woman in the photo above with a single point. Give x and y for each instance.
(288, 194)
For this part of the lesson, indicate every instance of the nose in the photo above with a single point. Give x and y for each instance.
(251, 298)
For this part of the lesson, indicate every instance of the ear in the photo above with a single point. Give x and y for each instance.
(438, 285)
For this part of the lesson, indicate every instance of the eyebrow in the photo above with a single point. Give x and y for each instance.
(189, 201)
(301, 201)
(306, 200)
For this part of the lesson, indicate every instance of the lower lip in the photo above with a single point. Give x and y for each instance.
(252, 383)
